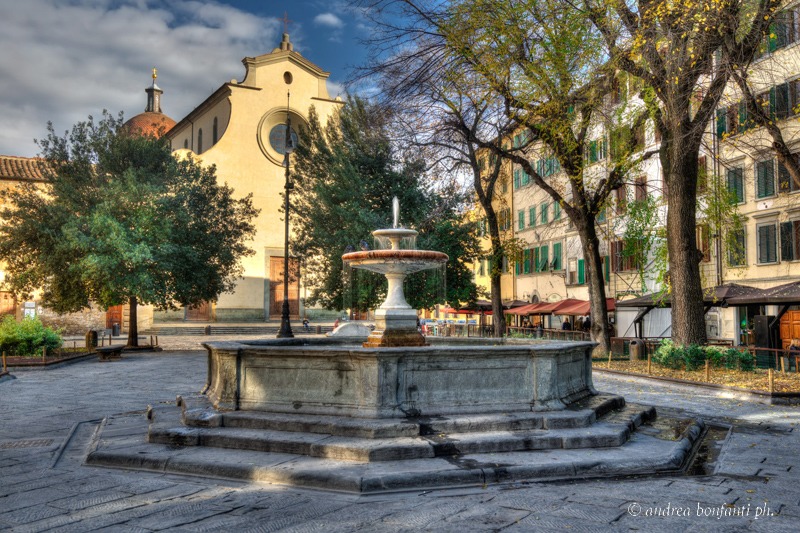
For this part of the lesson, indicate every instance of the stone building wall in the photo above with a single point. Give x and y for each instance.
(74, 323)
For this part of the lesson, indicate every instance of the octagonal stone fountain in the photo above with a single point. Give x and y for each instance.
(396, 410)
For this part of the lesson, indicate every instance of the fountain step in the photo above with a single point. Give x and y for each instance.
(197, 413)
(120, 443)
(165, 428)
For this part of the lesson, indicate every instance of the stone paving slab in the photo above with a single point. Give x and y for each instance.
(47, 404)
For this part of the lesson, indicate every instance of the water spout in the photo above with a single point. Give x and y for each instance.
(396, 211)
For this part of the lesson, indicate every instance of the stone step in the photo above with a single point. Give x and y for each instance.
(600, 435)
(198, 413)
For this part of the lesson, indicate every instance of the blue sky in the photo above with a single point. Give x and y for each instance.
(64, 60)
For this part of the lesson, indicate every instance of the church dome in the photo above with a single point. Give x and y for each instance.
(152, 121)
(149, 123)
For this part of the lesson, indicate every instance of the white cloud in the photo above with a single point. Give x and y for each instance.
(335, 89)
(63, 61)
(330, 20)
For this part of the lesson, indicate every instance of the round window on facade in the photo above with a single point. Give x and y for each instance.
(277, 138)
(287, 77)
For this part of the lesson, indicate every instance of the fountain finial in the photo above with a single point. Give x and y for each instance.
(396, 211)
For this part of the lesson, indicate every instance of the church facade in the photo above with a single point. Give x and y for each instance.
(241, 129)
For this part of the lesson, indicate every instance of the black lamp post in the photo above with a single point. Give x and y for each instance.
(286, 327)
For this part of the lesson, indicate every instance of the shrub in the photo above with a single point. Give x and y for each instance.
(27, 337)
(694, 357)
(669, 355)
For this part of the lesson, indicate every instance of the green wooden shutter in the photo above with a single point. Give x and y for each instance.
(581, 272)
(782, 104)
(532, 215)
(535, 260)
(743, 122)
(556, 256)
(787, 244)
(544, 259)
(721, 122)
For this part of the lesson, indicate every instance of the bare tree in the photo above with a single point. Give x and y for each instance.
(544, 64)
(670, 45)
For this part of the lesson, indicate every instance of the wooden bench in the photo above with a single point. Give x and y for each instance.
(110, 353)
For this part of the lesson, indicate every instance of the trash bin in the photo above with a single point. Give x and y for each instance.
(115, 330)
(637, 350)
(91, 339)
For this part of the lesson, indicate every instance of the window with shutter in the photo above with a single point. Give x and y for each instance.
(556, 262)
(572, 271)
(737, 255)
(765, 179)
(767, 249)
(556, 211)
(722, 127)
(526, 261)
(785, 181)
(543, 258)
(532, 215)
(622, 200)
(543, 211)
(535, 259)
(640, 188)
(581, 272)
(732, 119)
(736, 184)
(521, 219)
(790, 240)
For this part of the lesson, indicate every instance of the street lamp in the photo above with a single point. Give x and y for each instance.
(286, 327)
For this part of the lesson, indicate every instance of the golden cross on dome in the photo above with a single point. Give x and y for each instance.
(155, 73)
(286, 21)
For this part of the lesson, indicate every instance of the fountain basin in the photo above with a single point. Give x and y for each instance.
(395, 261)
(450, 376)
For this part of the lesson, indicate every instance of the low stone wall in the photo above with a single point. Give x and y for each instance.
(74, 323)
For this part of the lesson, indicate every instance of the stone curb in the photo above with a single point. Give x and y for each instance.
(724, 391)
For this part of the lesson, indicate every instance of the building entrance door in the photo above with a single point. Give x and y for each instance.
(276, 287)
(114, 316)
(201, 312)
(790, 327)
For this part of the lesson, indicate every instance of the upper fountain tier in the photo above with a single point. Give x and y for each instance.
(395, 260)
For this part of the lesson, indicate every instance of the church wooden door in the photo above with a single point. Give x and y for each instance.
(114, 316)
(200, 312)
(276, 287)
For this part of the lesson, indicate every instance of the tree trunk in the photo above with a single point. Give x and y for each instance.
(133, 325)
(498, 317)
(596, 284)
(680, 169)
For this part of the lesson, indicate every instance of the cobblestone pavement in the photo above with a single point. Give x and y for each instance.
(47, 417)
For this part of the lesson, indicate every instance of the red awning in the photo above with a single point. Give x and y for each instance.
(583, 308)
(555, 307)
(523, 310)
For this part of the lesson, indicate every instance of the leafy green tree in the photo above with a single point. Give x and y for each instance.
(120, 219)
(347, 173)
